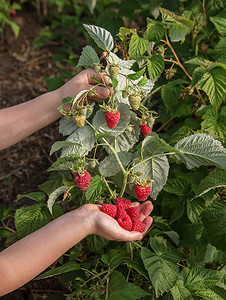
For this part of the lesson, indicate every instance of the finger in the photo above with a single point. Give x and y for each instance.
(99, 76)
(99, 93)
(135, 204)
(145, 210)
(147, 222)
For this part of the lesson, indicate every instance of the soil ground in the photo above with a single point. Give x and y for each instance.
(24, 166)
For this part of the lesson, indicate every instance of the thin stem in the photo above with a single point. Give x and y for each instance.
(97, 275)
(204, 13)
(177, 59)
(110, 190)
(125, 175)
(181, 66)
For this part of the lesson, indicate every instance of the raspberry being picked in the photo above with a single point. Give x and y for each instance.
(109, 209)
(142, 191)
(82, 180)
(122, 203)
(112, 118)
(145, 129)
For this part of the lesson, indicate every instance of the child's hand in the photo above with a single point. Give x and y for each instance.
(84, 81)
(108, 228)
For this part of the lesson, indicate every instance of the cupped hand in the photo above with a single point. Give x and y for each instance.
(84, 81)
(108, 228)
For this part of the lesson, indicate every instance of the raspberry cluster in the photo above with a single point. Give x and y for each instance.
(126, 216)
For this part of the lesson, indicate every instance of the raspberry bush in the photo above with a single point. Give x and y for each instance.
(116, 150)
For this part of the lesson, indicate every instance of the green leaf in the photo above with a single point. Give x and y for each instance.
(161, 247)
(177, 186)
(154, 164)
(200, 278)
(171, 93)
(208, 295)
(64, 163)
(212, 82)
(178, 26)
(113, 257)
(96, 243)
(110, 166)
(88, 57)
(212, 181)
(155, 31)
(212, 255)
(96, 187)
(119, 288)
(214, 221)
(137, 75)
(162, 272)
(138, 46)
(61, 144)
(99, 121)
(101, 36)
(37, 196)
(143, 81)
(67, 267)
(194, 209)
(4, 232)
(67, 126)
(220, 24)
(155, 66)
(201, 150)
(14, 26)
(137, 264)
(54, 195)
(219, 52)
(29, 219)
(214, 122)
(179, 292)
(83, 136)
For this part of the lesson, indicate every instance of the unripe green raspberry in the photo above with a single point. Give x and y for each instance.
(79, 120)
(97, 68)
(113, 70)
(134, 101)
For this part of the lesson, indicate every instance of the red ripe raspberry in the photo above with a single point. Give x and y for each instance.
(112, 119)
(122, 203)
(137, 225)
(125, 222)
(109, 209)
(133, 212)
(83, 180)
(145, 129)
(13, 12)
(142, 192)
(120, 213)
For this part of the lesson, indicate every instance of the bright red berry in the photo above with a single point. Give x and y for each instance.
(145, 129)
(13, 12)
(122, 203)
(137, 225)
(83, 180)
(125, 222)
(142, 192)
(120, 213)
(133, 212)
(109, 209)
(112, 119)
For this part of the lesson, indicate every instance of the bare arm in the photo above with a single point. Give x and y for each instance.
(28, 257)
(22, 120)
